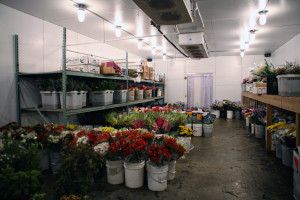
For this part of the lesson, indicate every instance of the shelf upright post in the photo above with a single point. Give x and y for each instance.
(269, 123)
(127, 82)
(64, 77)
(16, 51)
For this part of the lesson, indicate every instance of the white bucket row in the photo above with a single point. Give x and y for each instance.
(133, 174)
(204, 130)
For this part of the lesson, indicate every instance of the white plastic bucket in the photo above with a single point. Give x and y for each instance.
(252, 129)
(171, 170)
(134, 174)
(50, 99)
(139, 94)
(243, 87)
(237, 114)
(288, 85)
(73, 100)
(101, 98)
(56, 160)
(120, 96)
(278, 149)
(247, 121)
(186, 141)
(44, 161)
(189, 125)
(229, 114)
(217, 113)
(157, 177)
(148, 94)
(197, 130)
(131, 95)
(259, 131)
(115, 172)
(84, 97)
(111, 96)
(287, 156)
(207, 130)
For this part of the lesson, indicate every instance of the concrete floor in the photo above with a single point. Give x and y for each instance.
(229, 165)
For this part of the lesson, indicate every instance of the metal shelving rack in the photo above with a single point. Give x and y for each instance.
(64, 73)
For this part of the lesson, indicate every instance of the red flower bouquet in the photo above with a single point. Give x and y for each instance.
(161, 126)
(176, 149)
(159, 155)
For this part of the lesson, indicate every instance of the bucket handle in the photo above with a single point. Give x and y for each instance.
(172, 172)
(159, 180)
(118, 172)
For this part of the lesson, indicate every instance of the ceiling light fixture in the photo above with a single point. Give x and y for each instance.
(164, 56)
(262, 17)
(118, 31)
(81, 12)
(252, 35)
(242, 53)
(153, 51)
(246, 45)
(140, 43)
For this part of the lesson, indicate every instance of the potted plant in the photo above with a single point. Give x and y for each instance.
(120, 94)
(49, 92)
(273, 129)
(161, 125)
(257, 119)
(237, 111)
(185, 136)
(157, 167)
(177, 151)
(228, 107)
(73, 96)
(133, 149)
(216, 109)
(208, 124)
(102, 92)
(83, 88)
(147, 92)
(131, 96)
(288, 79)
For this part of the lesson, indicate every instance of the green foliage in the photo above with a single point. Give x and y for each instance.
(19, 185)
(77, 173)
(49, 84)
(101, 85)
(16, 156)
(267, 69)
(132, 73)
(289, 68)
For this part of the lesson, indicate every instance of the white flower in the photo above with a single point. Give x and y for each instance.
(82, 140)
(101, 148)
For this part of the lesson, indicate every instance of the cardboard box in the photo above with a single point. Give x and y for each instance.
(77, 60)
(259, 84)
(145, 74)
(94, 61)
(144, 63)
(259, 90)
(151, 73)
(110, 68)
(93, 69)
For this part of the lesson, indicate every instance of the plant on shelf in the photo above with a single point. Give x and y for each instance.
(289, 68)
(132, 73)
(264, 70)
(103, 85)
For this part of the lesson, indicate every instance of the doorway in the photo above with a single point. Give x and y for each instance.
(200, 90)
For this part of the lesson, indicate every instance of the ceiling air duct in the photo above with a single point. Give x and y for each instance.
(167, 12)
(194, 45)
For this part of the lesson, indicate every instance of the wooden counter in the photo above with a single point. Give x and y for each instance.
(287, 103)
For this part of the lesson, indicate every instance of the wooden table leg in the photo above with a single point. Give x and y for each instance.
(297, 129)
(248, 102)
(269, 123)
(255, 104)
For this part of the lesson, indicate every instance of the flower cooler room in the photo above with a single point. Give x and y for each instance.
(135, 99)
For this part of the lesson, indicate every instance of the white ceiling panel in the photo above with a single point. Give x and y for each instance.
(223, 20)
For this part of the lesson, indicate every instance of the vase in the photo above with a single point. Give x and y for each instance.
(115, 172)
(229, 114)
(252, 129)
(44, 161)
(186, 141)
(207, 130)
(171, 170)
(259, 131)
(134, 174)
(247, 121)
(56, 160)
(197, 130)
(157, 177)
(278, 149)
(223, 114)
(287, 156)
(237, 114)
(217, 113)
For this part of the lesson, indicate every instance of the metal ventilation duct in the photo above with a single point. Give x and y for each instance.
(167, 12)
(193, 45)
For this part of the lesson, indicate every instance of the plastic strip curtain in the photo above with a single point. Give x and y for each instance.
(190, 97)
(206, 90)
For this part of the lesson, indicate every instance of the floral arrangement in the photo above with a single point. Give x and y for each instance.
(184, 131)
(216, 106)
(209, 119)
(175, 148)
(159, 155)
(257, 116)
(69, 197)
(161, 125)
(284, 132)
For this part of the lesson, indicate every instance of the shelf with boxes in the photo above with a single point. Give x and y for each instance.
(80, 71)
